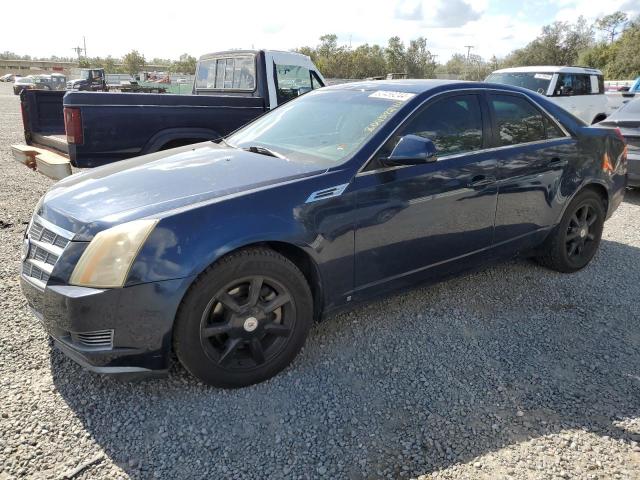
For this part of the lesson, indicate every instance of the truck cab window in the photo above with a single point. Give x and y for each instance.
(291, 81)
(229, 73)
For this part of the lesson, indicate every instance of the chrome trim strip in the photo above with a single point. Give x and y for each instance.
(47, 247)
(464, 90)
(329, 192)
(45, 267)
(54, 228)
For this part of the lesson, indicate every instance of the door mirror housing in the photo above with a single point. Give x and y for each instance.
(412, 150)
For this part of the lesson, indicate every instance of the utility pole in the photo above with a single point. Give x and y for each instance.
(468, 47)
(84, 40)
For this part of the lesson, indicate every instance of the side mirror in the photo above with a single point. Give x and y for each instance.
(412, 150)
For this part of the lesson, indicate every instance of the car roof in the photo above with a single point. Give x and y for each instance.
(418, 86)
(549, 69)
(249, 51)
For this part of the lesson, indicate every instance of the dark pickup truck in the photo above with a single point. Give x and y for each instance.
(89, 129)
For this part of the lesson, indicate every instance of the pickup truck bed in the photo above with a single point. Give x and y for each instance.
(162, 121)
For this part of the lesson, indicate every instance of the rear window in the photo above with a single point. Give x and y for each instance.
(227, 73)
(536, 81)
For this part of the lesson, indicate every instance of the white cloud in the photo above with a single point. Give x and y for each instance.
(200, 26)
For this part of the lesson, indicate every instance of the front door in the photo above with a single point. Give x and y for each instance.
(416, 221)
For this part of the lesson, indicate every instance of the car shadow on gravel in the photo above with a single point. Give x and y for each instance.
(405, 386)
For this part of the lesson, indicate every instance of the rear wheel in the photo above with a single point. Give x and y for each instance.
(244, 319)
(574, 242)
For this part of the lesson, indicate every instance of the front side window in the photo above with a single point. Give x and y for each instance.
(229, 73)
(291, 81)
(518, 121)
(453, 124)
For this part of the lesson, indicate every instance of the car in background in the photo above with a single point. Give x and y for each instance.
(579, 90)
(7, 77)
(55, 81)
(23, 83)
(226, 253)
(91, 80)
(616, 99)
(627, 119)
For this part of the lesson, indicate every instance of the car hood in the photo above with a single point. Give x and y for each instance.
(155, 183)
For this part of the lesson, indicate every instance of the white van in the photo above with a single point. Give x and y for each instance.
(580, 90)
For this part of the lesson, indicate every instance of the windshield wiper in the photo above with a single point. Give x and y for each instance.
(264, 151)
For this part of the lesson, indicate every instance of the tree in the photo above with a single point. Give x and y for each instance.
(419, 61)
(612, 24)
(186, 64)
(133, 62)
(395, 55)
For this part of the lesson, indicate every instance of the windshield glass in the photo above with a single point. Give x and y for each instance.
(24, 80)
(538, 82)
(324, 127)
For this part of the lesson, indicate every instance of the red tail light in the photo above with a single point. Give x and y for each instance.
(73, 125)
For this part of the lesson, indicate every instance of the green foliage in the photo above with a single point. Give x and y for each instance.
(559, 44)
(612, 24)
(364, 61)
(133, 62)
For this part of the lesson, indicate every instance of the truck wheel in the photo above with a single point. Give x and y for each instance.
(244, 319)
(574, 241)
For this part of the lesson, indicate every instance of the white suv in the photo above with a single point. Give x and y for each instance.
(580, 90)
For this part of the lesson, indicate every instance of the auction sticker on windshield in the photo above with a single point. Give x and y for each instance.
(389, 95)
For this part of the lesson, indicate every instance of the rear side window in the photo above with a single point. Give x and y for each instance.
(518, 121)
(573, 84)
(230, 73)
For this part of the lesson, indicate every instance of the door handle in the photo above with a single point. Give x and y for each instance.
(481, 181)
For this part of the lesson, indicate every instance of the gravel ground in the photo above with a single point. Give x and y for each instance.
(512, 372)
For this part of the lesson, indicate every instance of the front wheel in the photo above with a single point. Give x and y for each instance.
(244, 319)
(575, 240)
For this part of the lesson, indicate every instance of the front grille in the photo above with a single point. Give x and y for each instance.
(46, 242)
(99, 339)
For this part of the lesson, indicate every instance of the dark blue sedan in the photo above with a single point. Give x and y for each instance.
(226, 253)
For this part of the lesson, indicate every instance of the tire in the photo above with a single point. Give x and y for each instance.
(228, 333)
(575, 240)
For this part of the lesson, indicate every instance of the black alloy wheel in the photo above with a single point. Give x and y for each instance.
(572, 244)
(244, 319)
(247, 322)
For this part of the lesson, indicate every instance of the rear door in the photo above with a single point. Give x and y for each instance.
(533, 153)
(416, 221)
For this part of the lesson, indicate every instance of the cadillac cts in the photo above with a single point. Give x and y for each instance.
(226, 253)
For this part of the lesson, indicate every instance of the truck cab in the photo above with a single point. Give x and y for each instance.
(91, 80)
(278, 76)
(90, 129)
(579, 90)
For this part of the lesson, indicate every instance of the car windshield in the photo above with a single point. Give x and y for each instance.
(538, 82)
(24, 80)
(324, 127)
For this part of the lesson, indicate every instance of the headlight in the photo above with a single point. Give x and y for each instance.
(107, 260)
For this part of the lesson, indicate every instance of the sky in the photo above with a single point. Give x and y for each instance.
(167, 29)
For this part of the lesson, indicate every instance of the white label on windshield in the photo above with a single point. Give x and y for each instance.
(388, 95)
(543, 76)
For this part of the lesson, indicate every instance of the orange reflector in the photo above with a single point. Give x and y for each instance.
(607, 166)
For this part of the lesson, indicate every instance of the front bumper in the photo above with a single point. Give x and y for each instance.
(140, 319)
